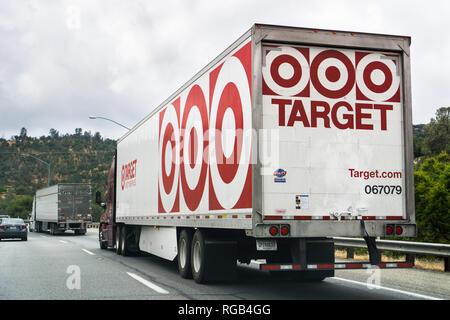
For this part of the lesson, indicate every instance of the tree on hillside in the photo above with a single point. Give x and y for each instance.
(432, 193)
(54, 133)
(437, 133)
(20, 207)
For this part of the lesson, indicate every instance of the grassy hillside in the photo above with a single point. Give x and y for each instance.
(78, 157)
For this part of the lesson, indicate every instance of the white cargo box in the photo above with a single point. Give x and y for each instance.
(287, 124)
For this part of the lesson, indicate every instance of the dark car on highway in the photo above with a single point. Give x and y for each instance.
(13, 228)
(3, 217)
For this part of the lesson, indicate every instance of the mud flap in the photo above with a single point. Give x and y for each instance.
(221, 259)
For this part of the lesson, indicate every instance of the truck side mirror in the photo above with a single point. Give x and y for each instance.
(98, 198)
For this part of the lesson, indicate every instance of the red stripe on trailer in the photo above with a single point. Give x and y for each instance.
(325, 266)
(249, 216)
(404, 265)
(394, 218)
(234, 216)
(303, 218)
(353, 265)
(270, 267)
(273, 217)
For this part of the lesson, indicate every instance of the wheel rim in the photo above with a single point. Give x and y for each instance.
(183, 250)
(197, 256)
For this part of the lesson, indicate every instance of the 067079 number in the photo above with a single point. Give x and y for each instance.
(382, 189)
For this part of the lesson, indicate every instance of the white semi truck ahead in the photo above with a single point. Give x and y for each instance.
(288, 138)
(62, 207)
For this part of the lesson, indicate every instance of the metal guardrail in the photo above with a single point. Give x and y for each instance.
(93, 225)
(410, 248)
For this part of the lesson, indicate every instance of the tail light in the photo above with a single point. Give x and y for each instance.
(273, 230)
(24, 226)
(389, 230)
(398, 230)
(285, 230)
(2, 227)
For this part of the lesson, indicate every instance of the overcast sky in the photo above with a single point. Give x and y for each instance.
(62, 61)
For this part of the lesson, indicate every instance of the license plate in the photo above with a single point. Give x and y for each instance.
(266, 245)
(12, 228)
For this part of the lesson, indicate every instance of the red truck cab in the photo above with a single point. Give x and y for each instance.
(107, 227)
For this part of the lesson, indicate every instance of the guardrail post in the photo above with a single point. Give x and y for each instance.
(350, 253)
(410, 257)
(447, 264)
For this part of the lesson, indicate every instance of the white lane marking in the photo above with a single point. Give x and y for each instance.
(148, 283)
(88, 252)
(390, 289)
(62, 241)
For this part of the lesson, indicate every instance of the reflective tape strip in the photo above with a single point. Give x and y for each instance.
(279, 266)
(332, 266)
(184, 216)
(280, 217)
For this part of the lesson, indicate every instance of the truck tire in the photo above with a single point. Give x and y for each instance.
(118, 240)
(198, 262)
(184, 253)
(52, 229)
(103, 244)
(125, 243)
(212, 259)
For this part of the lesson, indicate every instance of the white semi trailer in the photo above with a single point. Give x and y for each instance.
(288, 138)
(62, 207)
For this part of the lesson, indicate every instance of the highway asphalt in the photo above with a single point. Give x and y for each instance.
(69, 267)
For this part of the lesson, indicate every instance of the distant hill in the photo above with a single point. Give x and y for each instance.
(78, 157)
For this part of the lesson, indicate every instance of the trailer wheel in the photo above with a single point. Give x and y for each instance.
(118, 239)
(124, 242)
(184, 254)
(103, 244)
(213, 258)
(198, 257)
(52, 229)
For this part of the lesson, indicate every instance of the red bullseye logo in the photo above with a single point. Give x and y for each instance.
(332, 74)
(230, 135)
(205, 141)
(194, 139)
(169, 149)
(377, 77)
(286, 71)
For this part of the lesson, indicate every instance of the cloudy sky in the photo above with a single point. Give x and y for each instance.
(64, 60)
